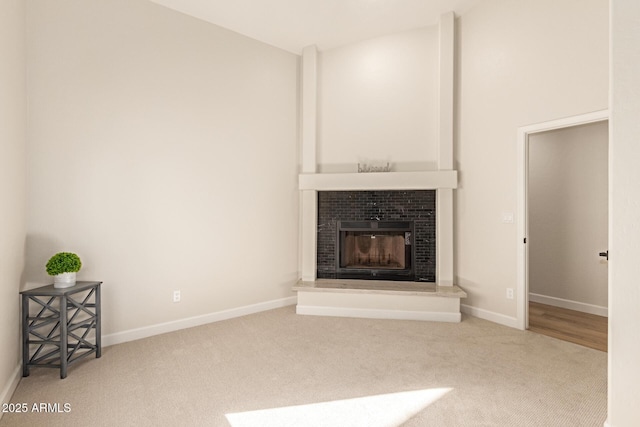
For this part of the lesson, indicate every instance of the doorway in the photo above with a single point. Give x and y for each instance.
(562, 220)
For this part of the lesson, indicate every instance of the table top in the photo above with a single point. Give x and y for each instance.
(49, 290)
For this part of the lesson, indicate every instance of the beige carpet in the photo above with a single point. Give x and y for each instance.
(280, 369)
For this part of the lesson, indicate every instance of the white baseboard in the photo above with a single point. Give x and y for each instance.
(190, 322)
(491, 316)
(370, 313)
(568, 304)
(11, 386)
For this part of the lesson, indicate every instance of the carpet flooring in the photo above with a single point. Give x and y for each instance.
(277, 368)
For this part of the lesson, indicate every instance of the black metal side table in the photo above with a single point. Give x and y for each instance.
(64, 327)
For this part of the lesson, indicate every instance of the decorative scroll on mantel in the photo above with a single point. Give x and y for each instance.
(426, 180)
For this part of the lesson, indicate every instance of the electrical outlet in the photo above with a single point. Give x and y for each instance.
(509, 293)
(176, 296)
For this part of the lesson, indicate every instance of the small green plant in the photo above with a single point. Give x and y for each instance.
(63, 262)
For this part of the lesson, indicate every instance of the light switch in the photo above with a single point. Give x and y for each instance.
(507, 217)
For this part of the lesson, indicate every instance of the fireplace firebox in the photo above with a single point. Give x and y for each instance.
(375, 250)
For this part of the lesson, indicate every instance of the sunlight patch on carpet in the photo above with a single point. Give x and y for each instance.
(384, 410)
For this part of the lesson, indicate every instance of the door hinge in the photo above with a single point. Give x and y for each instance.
(525, 240)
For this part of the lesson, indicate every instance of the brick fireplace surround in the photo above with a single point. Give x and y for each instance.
(418, 206)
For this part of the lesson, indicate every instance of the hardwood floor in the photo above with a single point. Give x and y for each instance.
(574, 326)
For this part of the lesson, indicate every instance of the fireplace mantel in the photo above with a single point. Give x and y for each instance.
(424, 180)
(444, 179)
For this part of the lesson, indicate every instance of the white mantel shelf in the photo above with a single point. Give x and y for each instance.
(424, 180)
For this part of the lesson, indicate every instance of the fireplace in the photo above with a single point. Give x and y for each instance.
(377, 235)
(375, 249)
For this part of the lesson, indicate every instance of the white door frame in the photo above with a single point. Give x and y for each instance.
(522, 285)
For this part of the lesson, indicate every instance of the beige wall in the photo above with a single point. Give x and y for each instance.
(518, 63)
(159, 145)
(377, 103)
(102, 76)
(624, 296)
(12, 186)
(568, 203)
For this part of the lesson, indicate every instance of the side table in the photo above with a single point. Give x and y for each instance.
(60, 326)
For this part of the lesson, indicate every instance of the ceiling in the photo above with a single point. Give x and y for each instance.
(294, 24)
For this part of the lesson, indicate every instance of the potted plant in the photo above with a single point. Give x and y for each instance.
(63, 267)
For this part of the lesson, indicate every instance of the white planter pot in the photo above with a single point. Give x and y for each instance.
(64, 280)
